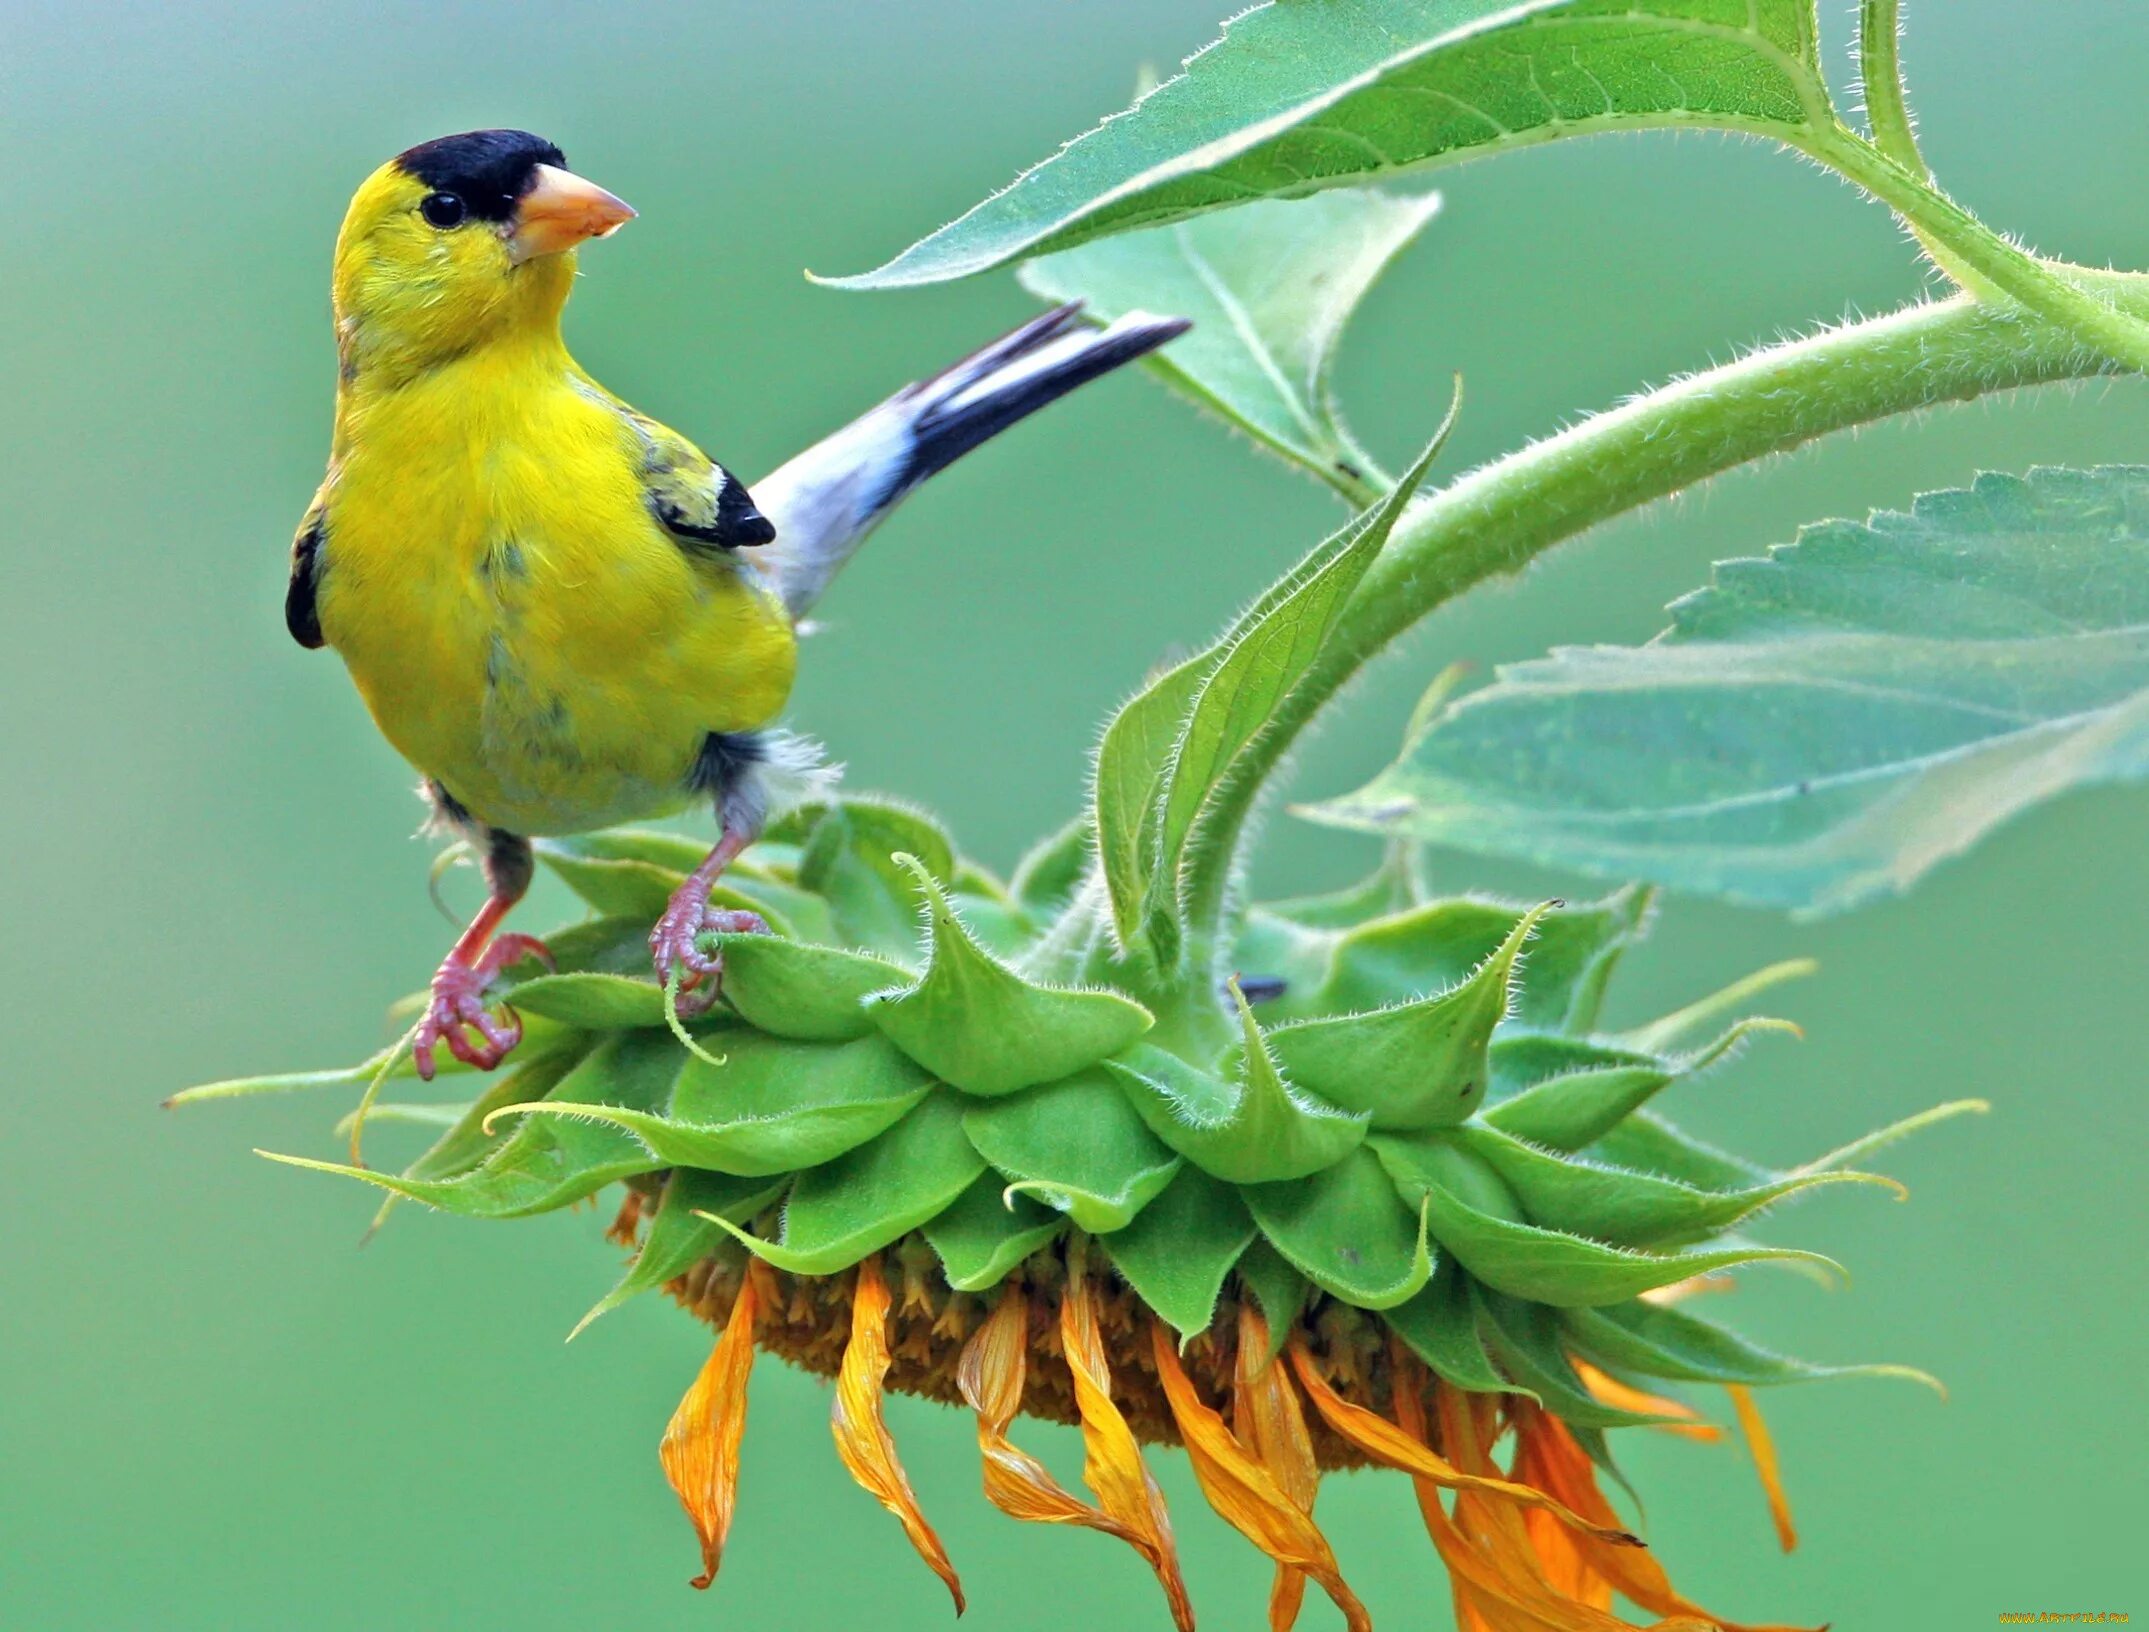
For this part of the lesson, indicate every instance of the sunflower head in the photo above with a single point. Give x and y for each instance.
(1389, 1197)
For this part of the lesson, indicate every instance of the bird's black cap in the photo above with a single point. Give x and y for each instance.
(488, 169)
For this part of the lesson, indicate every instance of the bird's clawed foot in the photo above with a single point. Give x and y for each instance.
(676, 944)
(458, 1007)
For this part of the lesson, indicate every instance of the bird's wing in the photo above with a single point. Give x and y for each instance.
(825, 501)
(696, 500)
(302, 612)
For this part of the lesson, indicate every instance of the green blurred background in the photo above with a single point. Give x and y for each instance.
(216, 1413)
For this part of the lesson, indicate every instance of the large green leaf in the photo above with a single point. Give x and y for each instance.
(1824, 725)
(1269, 289)
(1298, 97)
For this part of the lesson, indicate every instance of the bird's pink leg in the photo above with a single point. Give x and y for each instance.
(675, 942)
(458, 1005)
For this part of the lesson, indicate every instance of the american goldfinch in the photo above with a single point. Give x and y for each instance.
(561, 612)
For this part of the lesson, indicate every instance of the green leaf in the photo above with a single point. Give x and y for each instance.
(1823, 726)
(987, 1232)
(1075, 1145)
(1393, 886)
(1417, 1065)
(1279, 1289)
(1655, 1340)
(467, 1143)
(878, 1193)
(1295, 98)
(1646, 1140)
(1527, 1340)
(1046, 877)
(797, 989)
(1347, 1231)
(1440, 1325)
(1179, 1250)
(975, 1023)
(631, 873)
(848, 856)
(1429, 948)
(548, 1163)
(1249, 675)
(592, 1002)
(1625, 1207)
(1131, 756)
(680, 1236)
(1252, 1131)
(1544, 1265)
(1269, 289)
(772, 1107)
(1580, 1107)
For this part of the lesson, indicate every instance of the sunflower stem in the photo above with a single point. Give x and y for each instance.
(1494, 520)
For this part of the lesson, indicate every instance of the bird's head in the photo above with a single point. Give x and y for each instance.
(458, 242)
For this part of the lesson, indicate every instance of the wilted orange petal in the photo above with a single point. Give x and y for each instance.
(862, 1437)
(700, 1451)
(991, 1373)
(1272, 1424)
(1241, 1489)
(1496, 1588)
(1390, 1446)
(1625, 1397)
(1113, 1464)
(1555, 1459)
(1764, 1454)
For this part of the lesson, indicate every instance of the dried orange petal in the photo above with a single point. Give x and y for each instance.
(1113, 1466)
(1269, 1420)
(1240, 1488)
(861, 1431)
(1390, 1446)
(700, 1451)
(1609, 1389)
(1763, 1446)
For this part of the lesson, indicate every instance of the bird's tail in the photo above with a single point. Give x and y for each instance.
(825, 501)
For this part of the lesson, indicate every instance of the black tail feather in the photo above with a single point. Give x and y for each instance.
(982, 395)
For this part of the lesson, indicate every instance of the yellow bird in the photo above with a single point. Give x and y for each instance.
(562, 613)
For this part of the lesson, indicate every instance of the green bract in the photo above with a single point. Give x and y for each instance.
(1425, 1126)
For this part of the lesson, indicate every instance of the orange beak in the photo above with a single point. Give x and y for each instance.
(561, 211)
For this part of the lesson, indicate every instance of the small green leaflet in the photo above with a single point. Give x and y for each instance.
(1148, 803)
(1824, 725)
(1296, 98)
(1269, 289)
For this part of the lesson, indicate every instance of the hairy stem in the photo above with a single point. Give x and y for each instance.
(2088, 303)
(1495, 519)
(1880, 73)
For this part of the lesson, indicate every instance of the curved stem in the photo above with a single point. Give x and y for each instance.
(1976, 256)
(1498, 517)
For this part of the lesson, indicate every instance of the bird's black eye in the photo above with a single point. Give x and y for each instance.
(443, 210)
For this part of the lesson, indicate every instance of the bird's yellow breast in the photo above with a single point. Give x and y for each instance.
(518, 623)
